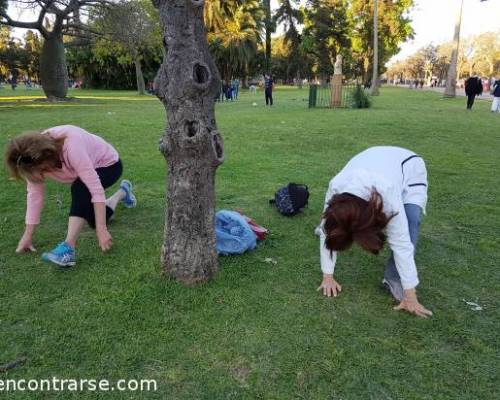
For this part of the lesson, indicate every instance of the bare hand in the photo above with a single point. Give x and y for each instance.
(25, 245)
(330, 286)
(104, 238)
(412, 306)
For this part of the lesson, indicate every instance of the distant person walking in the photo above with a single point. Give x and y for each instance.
(224, 91)
(495, 106)
(268, 88)
(473, 88)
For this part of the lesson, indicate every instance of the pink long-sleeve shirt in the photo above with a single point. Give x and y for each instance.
(82, 153)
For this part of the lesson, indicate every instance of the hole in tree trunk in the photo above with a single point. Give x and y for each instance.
(201, 74)
(191, 128)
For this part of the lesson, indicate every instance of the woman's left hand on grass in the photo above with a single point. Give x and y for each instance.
(104, 238)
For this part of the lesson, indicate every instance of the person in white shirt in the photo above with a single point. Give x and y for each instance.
(379, 195)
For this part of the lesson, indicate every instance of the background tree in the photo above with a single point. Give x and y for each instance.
(21, 56)
(4, 44)
(13, 57)
(314, 32)
(33, 48)
(485, 57)
(394, 28)
(188, 83)
(54, 20)
(451, 79)
(217, 12)
(132, 26)
(291, 16)
(375, 75)
(480, 54)
(327, 31)
(235, 37)
(270, 29)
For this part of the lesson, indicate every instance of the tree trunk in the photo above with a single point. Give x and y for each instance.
(451, 79)
(53, 70)
(375, 91)
(299, 80)
(188, 83)
(269, 28)
(141, 87)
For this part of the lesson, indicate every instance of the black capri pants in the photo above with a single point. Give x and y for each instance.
(81, 199)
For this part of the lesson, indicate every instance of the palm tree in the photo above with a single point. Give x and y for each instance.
(235, 37)
(451, 78)
(291, 17)
(266, 5)
(216, 12)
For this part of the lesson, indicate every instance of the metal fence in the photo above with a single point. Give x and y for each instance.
(320, 96)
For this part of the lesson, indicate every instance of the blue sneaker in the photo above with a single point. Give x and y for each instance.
(129, 200)
(63, 255)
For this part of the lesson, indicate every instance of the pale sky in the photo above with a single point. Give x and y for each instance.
(433, 21)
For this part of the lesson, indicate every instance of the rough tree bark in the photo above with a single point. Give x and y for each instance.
(53, 70)
(188, 82)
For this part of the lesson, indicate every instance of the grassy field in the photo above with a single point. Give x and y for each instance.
(260, 330)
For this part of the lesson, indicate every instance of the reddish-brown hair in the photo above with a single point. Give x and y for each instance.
(349, 219)
(30, 155)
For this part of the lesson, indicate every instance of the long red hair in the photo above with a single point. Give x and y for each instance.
(349, 219)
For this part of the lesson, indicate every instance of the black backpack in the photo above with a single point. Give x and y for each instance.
(291, 199)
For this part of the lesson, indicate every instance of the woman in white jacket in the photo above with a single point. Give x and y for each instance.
(379, 195)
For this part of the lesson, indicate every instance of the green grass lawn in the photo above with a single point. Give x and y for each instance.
(260, 330)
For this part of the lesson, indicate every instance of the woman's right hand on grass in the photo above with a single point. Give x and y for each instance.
(25, 245)
(330, 286)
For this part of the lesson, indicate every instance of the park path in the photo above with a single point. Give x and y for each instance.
(460, 92)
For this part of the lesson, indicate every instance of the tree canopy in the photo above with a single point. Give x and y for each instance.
(311, 33)
(478, 54)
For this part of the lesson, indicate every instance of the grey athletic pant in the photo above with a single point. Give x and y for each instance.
(414, 216)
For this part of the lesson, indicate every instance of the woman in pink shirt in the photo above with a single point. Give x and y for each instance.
(69, 154)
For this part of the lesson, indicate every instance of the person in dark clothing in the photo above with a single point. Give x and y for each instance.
(268, 86)
(13, 82)
(473, 88)
(223, 91)
(229, 94)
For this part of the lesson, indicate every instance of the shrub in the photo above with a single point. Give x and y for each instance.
(360, 98)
